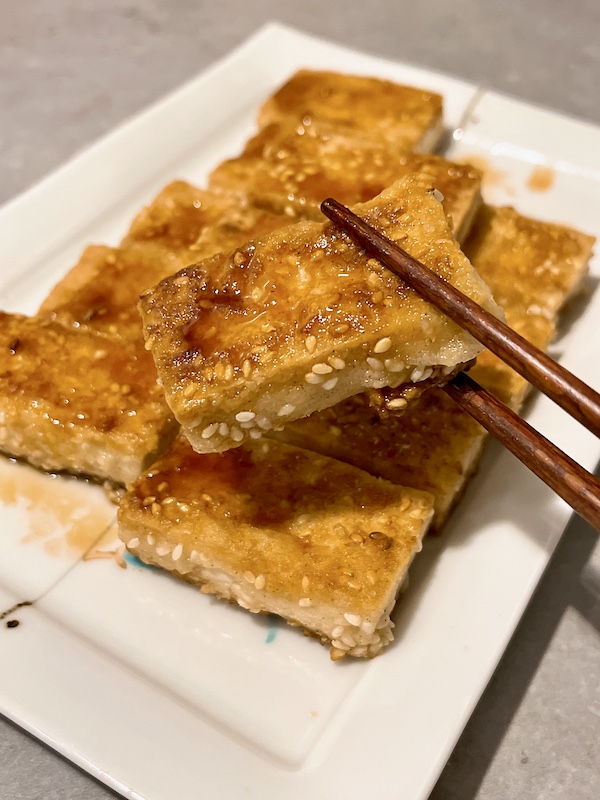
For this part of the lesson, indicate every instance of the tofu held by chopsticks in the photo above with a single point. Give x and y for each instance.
(301, 320)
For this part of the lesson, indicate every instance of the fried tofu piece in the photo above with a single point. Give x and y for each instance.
(291, 169)
(302, 320)
(103, 288)
(75, 399)
(281, 530)
(407, 117)
(532, 268)
(181, 226)
(177, 216)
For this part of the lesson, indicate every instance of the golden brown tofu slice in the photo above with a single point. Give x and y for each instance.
(409, 118)
(291, 169)
(75, 399)
(302, 320)
(533, 267)
(102, 290)
(177, 216)
(281, 530)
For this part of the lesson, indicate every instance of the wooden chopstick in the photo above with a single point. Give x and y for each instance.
(569, 392)
(578, 487)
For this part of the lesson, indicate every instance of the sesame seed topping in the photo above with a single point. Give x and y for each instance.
(336, 362)
(368, 627)
(353, 619)
(374, 363)
(330, 384)
(249, 576)
(260, 581)
(224, 429)
(337, 631)
(163, 550)
(264, 423)
(394, 365)
(246, 368)
(133, 542)
(397, 402)
(236, 435)
(383, 345)
(210, 430)
(163, 486)
(150, 539)
(304, 602)
(245, 416)
(156, 509)
(313, 378)
(254, 434)
(322, 369)
(177, 552)
(310, 343)
(373, 278)
(438, 195)
(285, 410)
(247, 425)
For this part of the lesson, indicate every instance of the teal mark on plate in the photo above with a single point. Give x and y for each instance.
(134, 561)
(272, 630)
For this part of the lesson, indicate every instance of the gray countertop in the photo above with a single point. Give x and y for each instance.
(71, 70)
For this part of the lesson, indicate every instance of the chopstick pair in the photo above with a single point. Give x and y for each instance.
(579, 488)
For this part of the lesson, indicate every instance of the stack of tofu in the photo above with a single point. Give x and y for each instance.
(233, 403)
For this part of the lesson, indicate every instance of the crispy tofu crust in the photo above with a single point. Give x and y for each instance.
(301, 320)
(409, 118)
(533, 268)
(292, 168)
(177, 215)
(103, 288)
(281, 530)
(75, 399)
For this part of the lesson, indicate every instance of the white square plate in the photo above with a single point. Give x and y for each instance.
(163, 693)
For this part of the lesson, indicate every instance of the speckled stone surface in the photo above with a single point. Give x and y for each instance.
(71, 70)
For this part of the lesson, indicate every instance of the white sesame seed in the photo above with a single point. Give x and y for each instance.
(394, 365)
(194, 556)
(304, 602)
(368, 627)
(177, 551)
(417, 374)
(247, 425)
(133, 542)
(311, 377)
(259, 583)
(349, 640)
(163, 550)
(224, 429)
(150, 539)
(246, 368)
(336, 362)
(210, 430)
(330, 384)
(353, 619)
(374, 363)
(254, 434)
(337, 631)
(397, 402)
(322, 369)
(383, 345)
(245, 416)
(310, 343)
(249, 576)
(438, 195)
(236, 434)
(264, 423)
(285, 410)
(339, 645)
